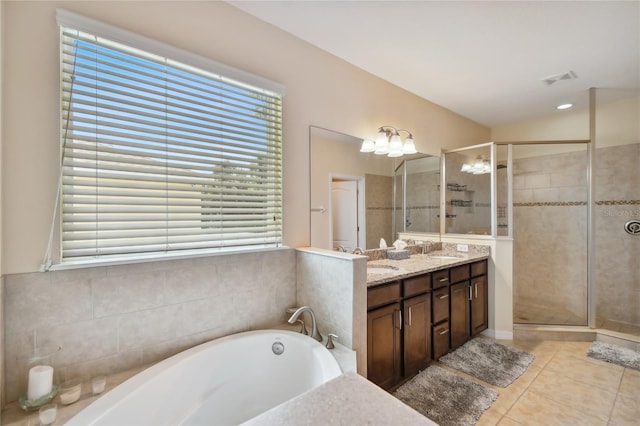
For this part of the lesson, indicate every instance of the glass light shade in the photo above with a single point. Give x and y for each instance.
(409, 147)
(382, 144)
(466, 168)
(395, 146)
(367, 146)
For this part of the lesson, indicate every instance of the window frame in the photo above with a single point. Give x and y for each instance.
(99, 29)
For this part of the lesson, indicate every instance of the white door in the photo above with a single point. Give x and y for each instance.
(344, 213)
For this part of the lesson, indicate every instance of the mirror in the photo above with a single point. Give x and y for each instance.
(468, 191)
(352, 193)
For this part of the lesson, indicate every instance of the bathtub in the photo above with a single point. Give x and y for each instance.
(224, 381)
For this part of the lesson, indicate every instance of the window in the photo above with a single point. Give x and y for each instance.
(162, 157)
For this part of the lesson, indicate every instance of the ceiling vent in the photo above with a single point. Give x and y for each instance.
(569, 75)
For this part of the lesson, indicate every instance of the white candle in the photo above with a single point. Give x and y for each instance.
(40, 381)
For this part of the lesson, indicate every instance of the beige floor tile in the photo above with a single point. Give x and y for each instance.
(507, 421)
(509, 396)
(491, 417)
(603, 375)
(587, 399)
(630, 385)
(626, 411)
(535, 409)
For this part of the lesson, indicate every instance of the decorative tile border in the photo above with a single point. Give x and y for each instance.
(578, 203)
(551, 204)
(618, 203)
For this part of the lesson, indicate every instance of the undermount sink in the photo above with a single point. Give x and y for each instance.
(443, 256)
(381, 269)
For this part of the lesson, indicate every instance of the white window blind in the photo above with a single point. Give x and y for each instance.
(163, 157)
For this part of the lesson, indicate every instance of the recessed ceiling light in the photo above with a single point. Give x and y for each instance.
(564, 106)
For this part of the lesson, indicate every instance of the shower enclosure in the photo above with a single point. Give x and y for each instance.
(574, 209)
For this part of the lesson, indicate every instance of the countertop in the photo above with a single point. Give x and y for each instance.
(348, 399)
(385, 270)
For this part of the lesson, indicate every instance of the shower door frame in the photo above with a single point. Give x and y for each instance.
(591, 303)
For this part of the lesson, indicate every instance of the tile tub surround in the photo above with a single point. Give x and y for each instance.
(115, 318)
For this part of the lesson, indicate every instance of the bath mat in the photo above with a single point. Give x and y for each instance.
(615, 355)
(446, 398)
(488, 361)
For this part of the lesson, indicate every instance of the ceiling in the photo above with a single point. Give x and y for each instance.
(485, 60)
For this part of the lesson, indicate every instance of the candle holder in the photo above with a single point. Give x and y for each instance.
(42, 384)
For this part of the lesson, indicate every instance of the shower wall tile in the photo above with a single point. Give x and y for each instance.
(115, 318)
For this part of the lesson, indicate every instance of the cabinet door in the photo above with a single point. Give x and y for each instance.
(417, 333)
(459, 315)
(384, 362)
(479, 305)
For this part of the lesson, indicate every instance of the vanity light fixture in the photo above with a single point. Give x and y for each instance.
(479, 167)
(388, 142)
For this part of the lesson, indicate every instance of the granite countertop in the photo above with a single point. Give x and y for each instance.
(385, 270)
(348, 399)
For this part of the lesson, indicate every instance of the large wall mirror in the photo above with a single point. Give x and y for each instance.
(355, 200)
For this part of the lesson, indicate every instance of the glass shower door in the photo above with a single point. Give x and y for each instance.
(550, 195)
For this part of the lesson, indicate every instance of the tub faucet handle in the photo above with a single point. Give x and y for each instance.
(330, 338)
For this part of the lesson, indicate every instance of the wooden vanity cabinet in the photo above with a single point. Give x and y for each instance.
(384, 334)
(398, 330)
(460, 309)
(417, 333)
(469, 303)
(479, 298)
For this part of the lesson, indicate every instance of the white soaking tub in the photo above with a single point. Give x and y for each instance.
(224, 381)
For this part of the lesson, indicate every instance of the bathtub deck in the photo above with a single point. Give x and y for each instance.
(347, 399)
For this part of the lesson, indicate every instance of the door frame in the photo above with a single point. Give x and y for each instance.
(362, 211)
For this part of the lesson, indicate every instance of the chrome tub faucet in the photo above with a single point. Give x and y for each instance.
(315, 333)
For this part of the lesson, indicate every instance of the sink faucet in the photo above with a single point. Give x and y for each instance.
(341, 249)
(357, 250)
(315, 333)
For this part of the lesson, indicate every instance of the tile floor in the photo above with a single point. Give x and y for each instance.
(563, 386)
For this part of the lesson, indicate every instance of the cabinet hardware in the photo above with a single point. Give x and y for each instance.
(444, 279)
(410, 316)
(470, 294)
(444, 296)
(476, 290)
(445, 331)
(400, 316)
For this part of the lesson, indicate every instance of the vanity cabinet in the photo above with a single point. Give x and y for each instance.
(469, 302)
(399, 330)
(417, 319)
(417, 334)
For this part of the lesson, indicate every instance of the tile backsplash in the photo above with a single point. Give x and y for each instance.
(112, 318)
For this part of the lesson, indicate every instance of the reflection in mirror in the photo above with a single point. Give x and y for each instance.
(349, 187)
(468, 191)
(422, 208)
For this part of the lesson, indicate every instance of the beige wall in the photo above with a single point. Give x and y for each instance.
(2, 26)
(321, 90)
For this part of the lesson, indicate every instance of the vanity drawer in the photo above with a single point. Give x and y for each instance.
(440, 305)
(417, 285)
(459, 273)
(440, 278)
(383, 294)
(440, 339)
(479, 268)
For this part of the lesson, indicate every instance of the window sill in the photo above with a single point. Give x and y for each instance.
(114, 261)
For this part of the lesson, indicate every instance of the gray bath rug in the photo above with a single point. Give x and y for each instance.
(445, 398)
(615, 355)
(488, 361)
